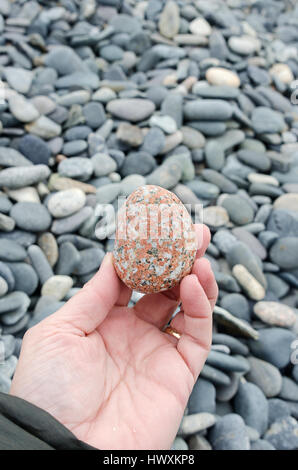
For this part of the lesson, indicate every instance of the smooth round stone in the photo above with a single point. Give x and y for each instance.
(169, 20)
(35, 149)
(72, 222)
(94, 114)
(57, 286)
(226, 282)
(258, 160)
(239, 253)
(266, 376)
(220, 76)
(284, 252)
(3, 286)
(275, 283)
(129, 134)
(77, 133)
(262, 179)
(44, 128)
(26, 279)
(132, 110)
(194, 423)
(251, 241)
(103, 164)
(166, 123)
(5, 204)
(239, 209)
(200, 26)
(289, 390)
(7, 224)
(192, 138)
(76, 97)
(154, 141)
(278, 409)
(214, 155)
(225, 393)
(9, 157)
(172, 106)
(104, 95)
(11, 251)
(26, 194)
(69, 258)
(208, 110)
(217, 377)
(282, 72)
(40, 263)
(19, 79)
(31, 216)
(76, 167)
(48, 244)
(283, 434)
(202, 397)
(282, 223)
(74, 147)
(22, 109)
(267, 121)
(251, 404)
(250, 285)
(229, 433)
(64, 203)
(108, 193)
(203, 190)
(90, 260)
(138, 162)
(226, 362)
(237, 305)
(275, 313)
(215, 216)
(130, 183)
(14, 178)
(13, 301)
(43, 104)
(274, 346)
(234, 345)
(244, 45)
(287, 202)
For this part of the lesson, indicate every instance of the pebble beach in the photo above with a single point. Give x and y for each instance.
(199, 97)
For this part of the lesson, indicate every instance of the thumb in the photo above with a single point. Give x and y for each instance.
(87, 309)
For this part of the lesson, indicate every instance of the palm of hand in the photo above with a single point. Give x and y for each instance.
(122, 384)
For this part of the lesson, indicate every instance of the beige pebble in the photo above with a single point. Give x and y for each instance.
(57, 286)
(287, 202)
(172, 141)
(282, 72)
(275, 313)
(263, 179)
(215, 216)
(222, 76)
(48, 244)
(249, 284)
(58, 183)
(26, 194)
(200, 26)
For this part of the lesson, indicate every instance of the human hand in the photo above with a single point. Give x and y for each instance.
(108, 372)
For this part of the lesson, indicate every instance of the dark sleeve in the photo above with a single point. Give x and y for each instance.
(24, 426)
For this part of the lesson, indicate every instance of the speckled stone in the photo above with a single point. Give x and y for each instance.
(275, 313)
(153, 256)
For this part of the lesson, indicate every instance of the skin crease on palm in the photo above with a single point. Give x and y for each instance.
(108, 372)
